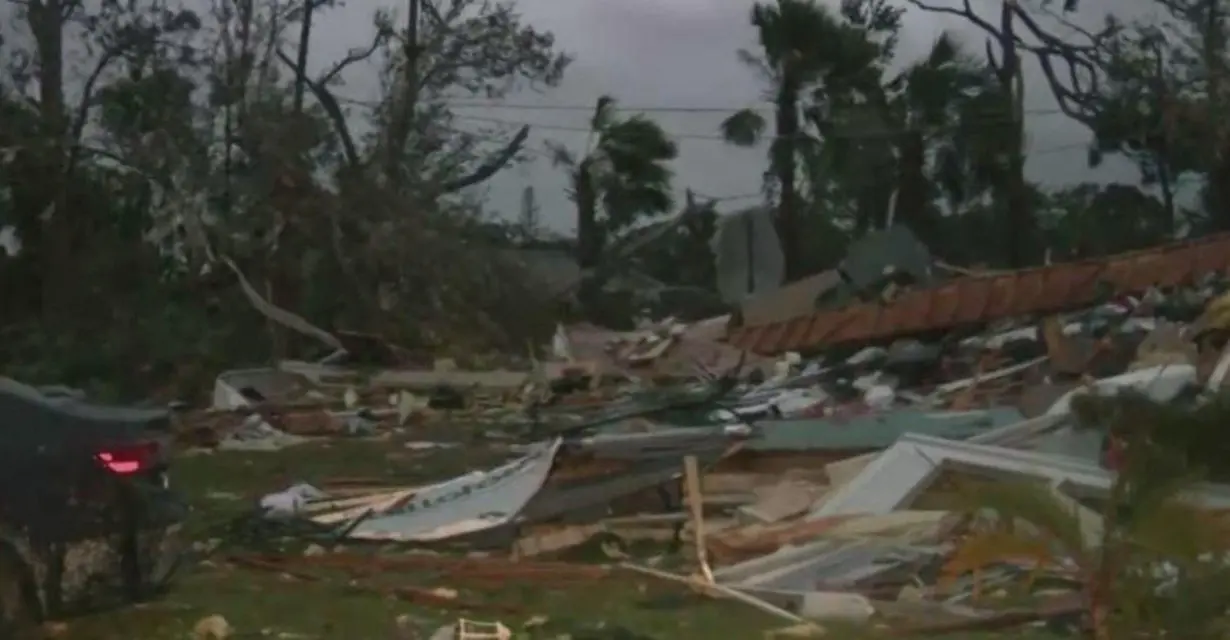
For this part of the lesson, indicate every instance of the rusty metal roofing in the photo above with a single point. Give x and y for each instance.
(979, 299)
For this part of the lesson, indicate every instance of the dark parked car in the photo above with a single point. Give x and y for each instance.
(87, 517)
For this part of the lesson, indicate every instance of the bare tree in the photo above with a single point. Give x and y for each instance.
(473, 47)
(51, 226)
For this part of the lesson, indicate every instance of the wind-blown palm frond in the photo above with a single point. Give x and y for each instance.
(623, 175)
(604, 113)
(560, 155)
(744, 128)
(637, 179)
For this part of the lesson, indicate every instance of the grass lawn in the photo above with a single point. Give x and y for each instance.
(271, 605)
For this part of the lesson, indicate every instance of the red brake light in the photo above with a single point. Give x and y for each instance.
(128, 459)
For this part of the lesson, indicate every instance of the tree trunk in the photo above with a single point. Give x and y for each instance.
(55, 237)
(305, 37)
(1020, 221)
(912, 207)
(589, 246)
(1213, 49)
(1018, 227)
(404, 104)
(1219, 187)
(784, 159)
(588, 242)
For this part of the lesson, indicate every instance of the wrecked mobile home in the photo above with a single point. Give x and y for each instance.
(799, 456)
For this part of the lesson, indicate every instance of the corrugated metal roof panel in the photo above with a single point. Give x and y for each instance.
(980, 299)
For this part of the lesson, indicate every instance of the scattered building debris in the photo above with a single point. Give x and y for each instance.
(807, 481)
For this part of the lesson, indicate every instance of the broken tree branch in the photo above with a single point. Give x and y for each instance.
(83, 108)
(492, 165)
(352, 57)
(332, 108)
(1075, 88)
(280, 316)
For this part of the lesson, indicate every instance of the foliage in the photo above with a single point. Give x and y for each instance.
(684, 258)
(1193, 432)
(1089, 220)
(147, 141)
(1150, 564)
(848, 133)
(812, 61)
(622, 177)
(190, 143)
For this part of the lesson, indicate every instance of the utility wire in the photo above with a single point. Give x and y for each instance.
(714, 137)
(995, 120)
(866, 132)
(741, 196)
(765, 107)
(856, 131)
(375, 104)
(576, 129)
(550, 156)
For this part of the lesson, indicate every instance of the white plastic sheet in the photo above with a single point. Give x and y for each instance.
(477, 501)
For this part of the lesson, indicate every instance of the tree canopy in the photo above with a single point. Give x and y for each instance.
(181, 168)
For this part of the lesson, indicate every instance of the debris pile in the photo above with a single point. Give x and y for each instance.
(807, 467)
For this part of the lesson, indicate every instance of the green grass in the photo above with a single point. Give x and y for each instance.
(269, 605)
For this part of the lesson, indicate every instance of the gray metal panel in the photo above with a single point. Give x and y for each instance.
(896, 247)
(746, 243)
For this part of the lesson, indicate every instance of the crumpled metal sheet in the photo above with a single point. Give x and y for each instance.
(981, 299)
(474, 502)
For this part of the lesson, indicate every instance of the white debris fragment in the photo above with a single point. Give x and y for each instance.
(830, 605)
(880, 397)
(290, 501)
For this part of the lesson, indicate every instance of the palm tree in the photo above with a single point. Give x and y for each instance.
(926, 103)
(622, 177)
(803, 45)
(922, 133)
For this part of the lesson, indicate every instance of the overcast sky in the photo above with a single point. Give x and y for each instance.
(675, 54)
(682, 53)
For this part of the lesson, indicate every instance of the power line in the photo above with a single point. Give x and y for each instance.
(460, 104)
(741, 196)
(543, 153)
(1059, 148)
(868, 132)
(497, 105)
(576, 129)
(765, 106)
(713, 137)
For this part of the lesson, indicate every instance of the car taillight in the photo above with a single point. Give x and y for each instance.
(128, 459)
